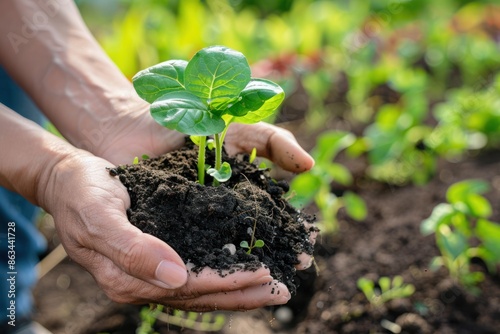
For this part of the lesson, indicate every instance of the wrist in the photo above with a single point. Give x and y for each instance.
(29, 154)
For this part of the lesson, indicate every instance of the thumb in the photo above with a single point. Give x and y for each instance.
(145, 257)
(138, 254)
(271, 142)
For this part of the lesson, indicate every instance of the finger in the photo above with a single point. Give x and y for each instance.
(138, 254)
(207, 291)
(210, 281)
(272, 293)
(97, 220)
(272, 142)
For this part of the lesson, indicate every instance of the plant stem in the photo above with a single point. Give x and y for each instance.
(218, 151)
(218, 155)
(201, 159)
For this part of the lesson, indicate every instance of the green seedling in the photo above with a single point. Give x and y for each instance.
(253, 155)
(387, 289)
(315, 185)
(259, 243)
(204, 96)
(206, 322)
(459, 221)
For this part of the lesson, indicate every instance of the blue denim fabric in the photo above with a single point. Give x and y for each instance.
(14, 208)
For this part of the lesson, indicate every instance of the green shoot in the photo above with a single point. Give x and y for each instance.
(253, 155)
(387, 290)
(204, 96)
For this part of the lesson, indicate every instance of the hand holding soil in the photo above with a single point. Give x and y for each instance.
(135, 267)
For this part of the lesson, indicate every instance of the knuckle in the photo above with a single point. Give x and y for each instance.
(130, 256)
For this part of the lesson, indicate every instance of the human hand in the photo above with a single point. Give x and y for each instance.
(272, 142)
(130, 266)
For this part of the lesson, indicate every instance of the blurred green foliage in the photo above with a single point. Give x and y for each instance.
(463, 231)
(416, 81)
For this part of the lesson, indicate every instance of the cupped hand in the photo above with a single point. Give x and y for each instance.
(134, 267)
(89, 208)
(272, 142)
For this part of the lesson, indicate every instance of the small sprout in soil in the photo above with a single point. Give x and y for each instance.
(136, 161)
(387, 290)
(259, 243)
(203, 322)
(221, 175)
(148, 316)
(253, 155)
(204, 96)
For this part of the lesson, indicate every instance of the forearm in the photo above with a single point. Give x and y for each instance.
(29, 155)
(51, 53)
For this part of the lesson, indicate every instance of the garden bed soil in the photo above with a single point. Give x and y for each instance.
(387, 243)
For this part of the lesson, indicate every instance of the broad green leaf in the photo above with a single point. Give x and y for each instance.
(186, 113)
(221, 175)
(160, 79)
(258, 100)
(305, 186)
(459, 191)
(244, 244)
(330, 143)
(354, 205)
(217, 74)
(440, 215)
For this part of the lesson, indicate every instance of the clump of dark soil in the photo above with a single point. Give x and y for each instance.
(199, 221)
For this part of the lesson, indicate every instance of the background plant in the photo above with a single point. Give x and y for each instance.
(385, 290)
(206, 322)
(316, 185)
(459, 221)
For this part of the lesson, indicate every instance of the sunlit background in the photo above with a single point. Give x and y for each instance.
(399, 74)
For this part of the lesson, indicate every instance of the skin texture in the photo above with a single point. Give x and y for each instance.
(105, 123)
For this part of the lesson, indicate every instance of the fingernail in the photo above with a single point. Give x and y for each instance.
(280, 294)
(170, 275)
